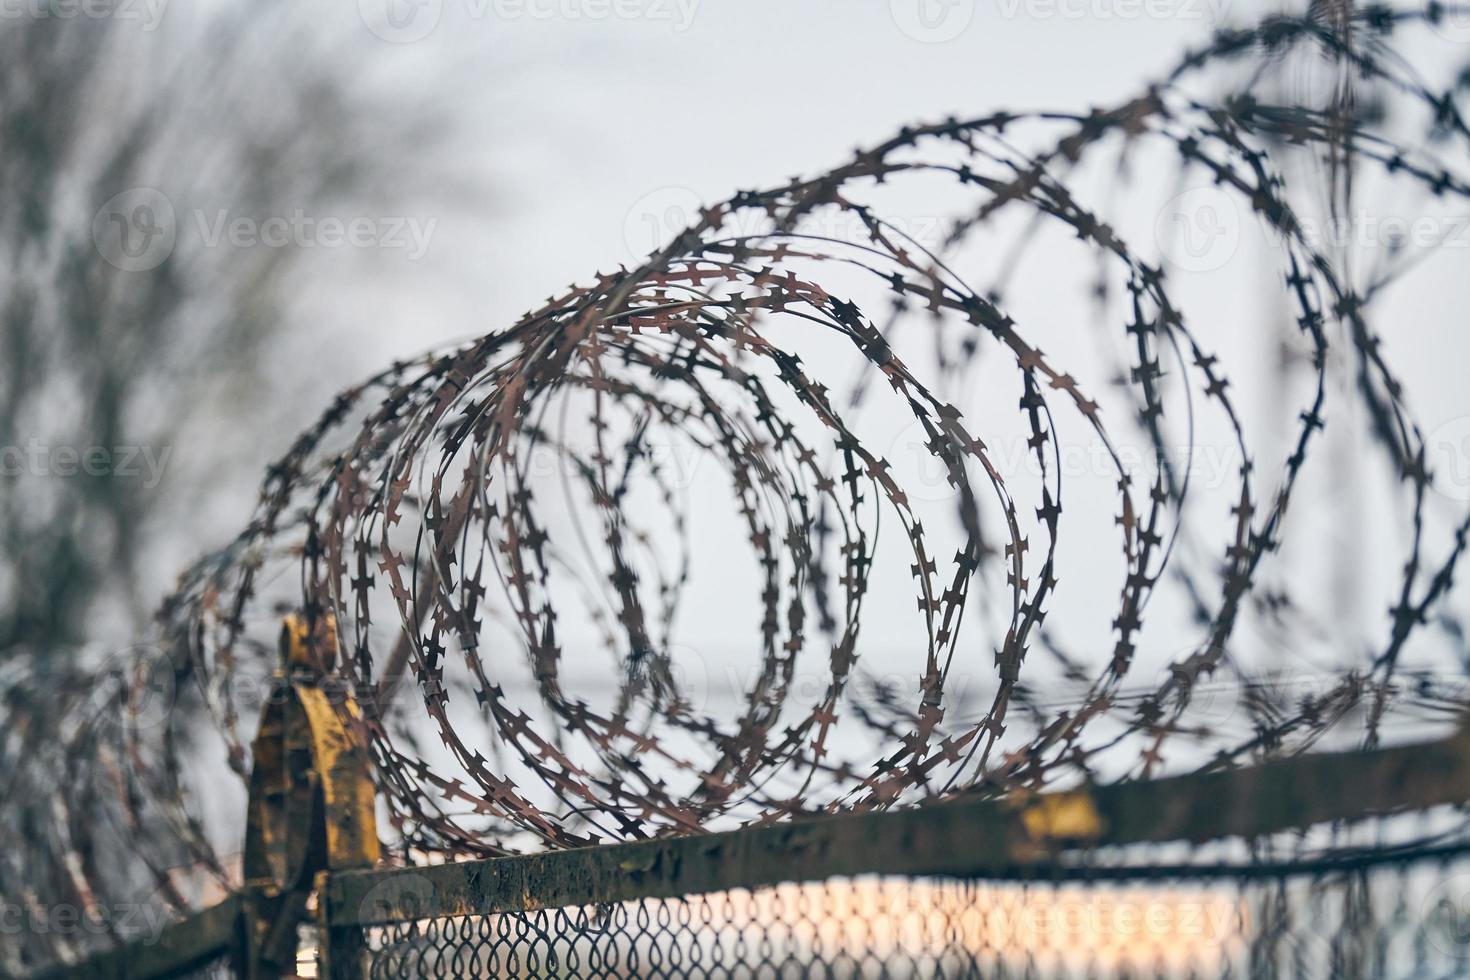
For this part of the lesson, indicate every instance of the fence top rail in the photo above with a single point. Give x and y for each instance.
(962, 837)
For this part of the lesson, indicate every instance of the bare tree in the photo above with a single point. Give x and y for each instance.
(118, 319)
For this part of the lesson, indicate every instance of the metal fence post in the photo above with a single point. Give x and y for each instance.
(311, 810)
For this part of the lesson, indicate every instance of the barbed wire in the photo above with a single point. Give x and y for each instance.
(448, 570)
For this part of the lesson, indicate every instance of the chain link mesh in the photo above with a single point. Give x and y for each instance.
(1399, 919)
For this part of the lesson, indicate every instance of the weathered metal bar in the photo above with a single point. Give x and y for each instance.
(182, 946)
(961, 838)
(311, 807)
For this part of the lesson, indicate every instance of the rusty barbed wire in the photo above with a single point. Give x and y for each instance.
(420, 519)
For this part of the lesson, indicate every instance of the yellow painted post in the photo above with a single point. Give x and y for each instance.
(311, 811)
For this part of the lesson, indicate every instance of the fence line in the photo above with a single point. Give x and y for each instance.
(993, 839)
(973, 838)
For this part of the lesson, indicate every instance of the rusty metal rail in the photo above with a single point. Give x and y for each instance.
(311, 834)
(980, 838)
(963, 838)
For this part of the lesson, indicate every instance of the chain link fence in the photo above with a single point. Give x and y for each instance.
(1401, 920)
(1354, 865)
(1377, 898)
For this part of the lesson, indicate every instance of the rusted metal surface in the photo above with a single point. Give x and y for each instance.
(961, 838)
(344, 770)
(311, 806)
(964, 838)
(311, 776)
